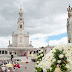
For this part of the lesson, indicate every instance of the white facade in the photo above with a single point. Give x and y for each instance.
(20, 42)
(20, 39)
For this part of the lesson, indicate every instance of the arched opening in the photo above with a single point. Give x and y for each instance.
(6, 52)
(2, 51)
(20, 26)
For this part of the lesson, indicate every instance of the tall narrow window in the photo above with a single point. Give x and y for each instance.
(5, 52)
(20, 26)
(0, 51)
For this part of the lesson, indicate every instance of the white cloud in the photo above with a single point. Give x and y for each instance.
(40, 40)
(40, 16)
(58, 42)
(4, 41)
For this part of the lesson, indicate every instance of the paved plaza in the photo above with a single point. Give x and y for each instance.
(24, 67)
(30, 67)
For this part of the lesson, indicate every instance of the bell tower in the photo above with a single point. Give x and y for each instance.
(20, 23)
(20, 41)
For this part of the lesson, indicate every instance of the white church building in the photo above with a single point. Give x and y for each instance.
(20, 42)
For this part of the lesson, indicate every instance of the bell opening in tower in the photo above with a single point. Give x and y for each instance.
(20, 26)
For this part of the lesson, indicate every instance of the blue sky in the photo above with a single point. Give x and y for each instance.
(56, 37)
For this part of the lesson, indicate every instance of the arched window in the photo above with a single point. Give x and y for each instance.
(5, 52)
(20, 26)
(2, 51)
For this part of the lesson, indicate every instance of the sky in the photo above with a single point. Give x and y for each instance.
(45, 20)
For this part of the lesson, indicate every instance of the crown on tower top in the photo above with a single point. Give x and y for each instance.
(20, 9)
(69, 5)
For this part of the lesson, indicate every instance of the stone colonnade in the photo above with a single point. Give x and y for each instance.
(3, 52)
